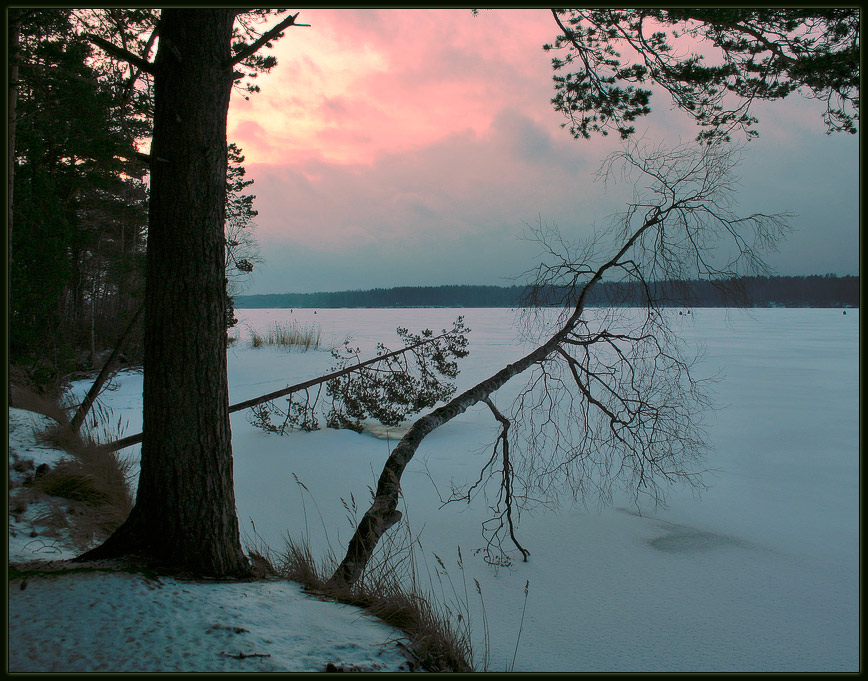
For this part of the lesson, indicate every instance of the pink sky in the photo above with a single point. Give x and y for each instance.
(359, 84)
(411, 147)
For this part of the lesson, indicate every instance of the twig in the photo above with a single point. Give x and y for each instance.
(520, 626)
(251, 49)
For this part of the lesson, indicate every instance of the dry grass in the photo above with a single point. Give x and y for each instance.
(434, 644)
(98, 479)
(96, 488)
(95, 483)
(288, 335)
(389, 589)
(24, 395)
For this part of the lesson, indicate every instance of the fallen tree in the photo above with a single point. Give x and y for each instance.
(434, 355)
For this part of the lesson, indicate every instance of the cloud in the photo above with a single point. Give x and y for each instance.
(410, 147)
(453, 211)
(257, 141)
(363, 82)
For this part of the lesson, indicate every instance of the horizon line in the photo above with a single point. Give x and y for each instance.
(433, 286)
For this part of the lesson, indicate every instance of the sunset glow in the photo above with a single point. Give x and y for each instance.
(358, 84)
(410, 147)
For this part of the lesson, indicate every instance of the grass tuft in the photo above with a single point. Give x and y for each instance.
(25, 395)
(433, 644)
(288, 335)
(94, 483)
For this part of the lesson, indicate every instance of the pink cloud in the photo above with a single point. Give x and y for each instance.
(359, 83)
(462, 185)
(256, 141)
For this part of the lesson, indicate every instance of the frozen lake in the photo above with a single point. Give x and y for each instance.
(760, 573)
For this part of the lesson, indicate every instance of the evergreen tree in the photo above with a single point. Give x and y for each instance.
(242, 250)
(184, 517)
(611, 57)
(78, 196)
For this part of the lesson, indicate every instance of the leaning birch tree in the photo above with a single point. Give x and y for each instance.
(610, 399)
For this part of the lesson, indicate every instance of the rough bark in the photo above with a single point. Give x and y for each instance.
(184, 517)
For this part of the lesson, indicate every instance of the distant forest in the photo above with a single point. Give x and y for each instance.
(810, 291)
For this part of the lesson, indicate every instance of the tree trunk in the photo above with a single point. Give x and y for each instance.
(383, 512)
(184, 517)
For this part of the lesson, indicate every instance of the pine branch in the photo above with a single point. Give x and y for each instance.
(121, 53)
(131, 83)
(254, 47)
(135, 439)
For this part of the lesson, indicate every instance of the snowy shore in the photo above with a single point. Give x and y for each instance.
(101, 620)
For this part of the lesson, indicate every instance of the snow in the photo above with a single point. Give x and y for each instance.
(120, 622)
(25, 424)
(759, 573)
(28, 537)
(103, 621)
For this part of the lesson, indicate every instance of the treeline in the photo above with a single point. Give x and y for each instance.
(779, 291)
(402, 296)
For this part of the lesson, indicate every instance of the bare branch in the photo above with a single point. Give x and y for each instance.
(507, 475)
(134, 76)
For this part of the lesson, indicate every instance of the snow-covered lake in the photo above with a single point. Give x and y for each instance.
(760, 573)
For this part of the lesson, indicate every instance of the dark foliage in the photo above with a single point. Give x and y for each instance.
(79, 210)
(79, 197)
(732, 57)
